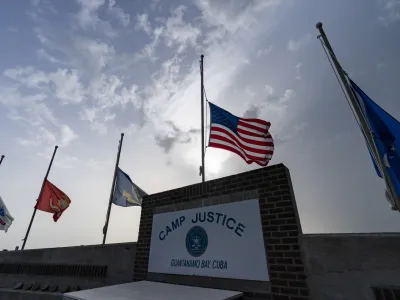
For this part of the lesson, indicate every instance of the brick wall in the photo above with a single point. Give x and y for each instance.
(280, 224)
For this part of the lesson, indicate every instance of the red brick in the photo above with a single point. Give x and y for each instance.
(278, 217)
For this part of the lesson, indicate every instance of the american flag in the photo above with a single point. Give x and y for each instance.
(248, 138)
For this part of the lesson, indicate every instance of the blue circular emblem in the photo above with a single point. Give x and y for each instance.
(196, 241)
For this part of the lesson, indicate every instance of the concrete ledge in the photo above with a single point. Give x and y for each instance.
(261, 287)
(7, 294)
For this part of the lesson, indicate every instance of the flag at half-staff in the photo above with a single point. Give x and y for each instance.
(380, 130)
(386, 136)
(248, 138)
(5, 217)
(53, 200)
(123, 191)
(126, 193)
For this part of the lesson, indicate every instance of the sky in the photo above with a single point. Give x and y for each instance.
(79, 73)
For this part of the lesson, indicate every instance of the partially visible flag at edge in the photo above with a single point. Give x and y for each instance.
(53, 200)
(248, 138)
(386, 132)
(5, 217)
(126, 193)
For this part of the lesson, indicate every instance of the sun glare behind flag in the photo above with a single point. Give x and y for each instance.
(248, 138)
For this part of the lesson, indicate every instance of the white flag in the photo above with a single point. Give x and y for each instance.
(5, 217)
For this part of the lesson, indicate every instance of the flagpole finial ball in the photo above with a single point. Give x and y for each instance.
(319, 25)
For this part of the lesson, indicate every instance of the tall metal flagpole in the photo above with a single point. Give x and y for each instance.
(1, 159)
(40, 195)
(105, 228)
(357, 110)
(202, 168)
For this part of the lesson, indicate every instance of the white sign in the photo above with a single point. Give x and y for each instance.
(216, 241)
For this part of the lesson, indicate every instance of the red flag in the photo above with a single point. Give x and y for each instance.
(53, 200)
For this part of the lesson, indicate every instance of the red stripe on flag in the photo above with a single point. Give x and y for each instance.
(214, 138)
(246, 140)
(248, 161)
(253, 127)
(261, 122)
(250, 133)
(237, 143)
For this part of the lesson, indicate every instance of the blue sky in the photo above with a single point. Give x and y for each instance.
(78, 73)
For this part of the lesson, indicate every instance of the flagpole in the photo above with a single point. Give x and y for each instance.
(105, 228)
(202, 169)
(357, 110)
(1, 159)
(40, 195)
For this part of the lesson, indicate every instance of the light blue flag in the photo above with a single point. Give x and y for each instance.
(126, 193)
(386, 134)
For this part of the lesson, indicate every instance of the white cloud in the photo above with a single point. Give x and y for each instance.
(287, 96)
(175, 31)
(68, 87)
(27, 108)
(40, 113)
(87, 15)
(43, 54)
(95, 54)
(67, 135)
(104, 91)
(149, 49)
(143, 23)
(391, 9)
(223, 61)
(98, 164)
(118, 13)
(38, 138)
(88, 114)
(100, 128)
(269, 89)
(65, 161)
(298, 67)
(178, 32)
(296, 45)
(264, 51)
(64, 84)
(88, 18)
(230, 17)
(44, 137)
(28, 76)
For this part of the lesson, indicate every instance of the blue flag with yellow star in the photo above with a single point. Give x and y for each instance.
(126, 193)
(386, 135)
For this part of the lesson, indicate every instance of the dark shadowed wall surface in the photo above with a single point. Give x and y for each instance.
(353, 266)
(64, 269)
(280, 227)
